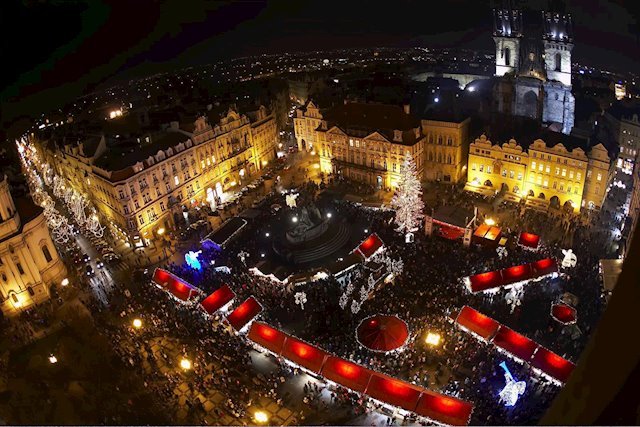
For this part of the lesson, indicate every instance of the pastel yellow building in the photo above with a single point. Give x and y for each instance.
(545, 175)
(142, 186)
(446, 149)
(305, 123)
(368, 142)
(29, 262)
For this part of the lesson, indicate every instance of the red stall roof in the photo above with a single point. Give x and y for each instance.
(564, 313)
(476, 322)
(304, 354)
(553, 365)
(268, 337)
(516, 344)
(488, 280)
(529, 240)
(370, 245)
(217, 299)
(162, 277)
(444, 409)
(244, 313)
(347, 374)
(517, 273)
(181, 289)
(394, 391)
(545, 266)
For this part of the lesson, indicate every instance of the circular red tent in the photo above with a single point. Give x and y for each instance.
(382, 333)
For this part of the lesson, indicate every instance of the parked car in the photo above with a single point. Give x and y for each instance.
(99, 263)
(89, 270)
(86, 258)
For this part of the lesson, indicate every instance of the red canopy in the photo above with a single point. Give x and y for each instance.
(444, 409)
(304, 354)
(545, 266)
(370, 245)
(218, 299)
(178, 287)
(516, 344)
(268, 337)
(244, 313)
(382, 333)
(161, 277)
(553, 365)
(478, 323)
(451, 233)
(517, 273)
(564, 313)
(347, 374)
(393, 391)
(483, 281)
(529, 240)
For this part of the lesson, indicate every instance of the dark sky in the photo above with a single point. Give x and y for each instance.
(54, 51)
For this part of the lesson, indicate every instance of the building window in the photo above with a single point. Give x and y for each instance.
(489, 169)
(136, 204)
(564, 172)
(141, 219)
(578, 176)
(46, 253)
(504, 173)
(557, 171)
(176, 181)
(547, 169)
(126, 209)
(520, 176)
(540, 167)
(481, 168)
(162, 208)
(511, 174)
(545, 183)
(599, 178)
(533, 164)
(19, 267)
(558, 62)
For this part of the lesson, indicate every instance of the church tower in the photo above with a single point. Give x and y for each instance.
(507, 31)
(557, 37)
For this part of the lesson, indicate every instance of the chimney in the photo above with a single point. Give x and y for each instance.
(406, 108)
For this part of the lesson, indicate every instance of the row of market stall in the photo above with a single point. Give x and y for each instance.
(491, 281)
(386, 390)
(517, 346)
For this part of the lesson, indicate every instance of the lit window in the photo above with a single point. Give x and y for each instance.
(176, 180)
(533, 164)
(578, 176)
(599, 178)
(540, 167)
(547, 169)
(564, 172)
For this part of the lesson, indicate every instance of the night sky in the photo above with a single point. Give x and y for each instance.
(57, 50)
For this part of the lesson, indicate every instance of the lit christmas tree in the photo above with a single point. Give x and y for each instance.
(407, 201)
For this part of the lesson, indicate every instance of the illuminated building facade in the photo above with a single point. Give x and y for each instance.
(446, 149)
(141, 187)
(544, 175)
(367, 142)
(29, 262)
(305, 123)
(624, 127)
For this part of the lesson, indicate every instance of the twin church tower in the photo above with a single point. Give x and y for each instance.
(533, 57)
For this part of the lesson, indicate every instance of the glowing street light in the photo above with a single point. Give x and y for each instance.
(185, 364)
(328, 214)
(137, 323)
(261, 417)
(433, 339)
(64, 282)
(53, 360)
(294, 219)
(490, 222)
(266, 234)
(161, 231)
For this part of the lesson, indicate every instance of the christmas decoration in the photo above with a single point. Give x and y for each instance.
(355, 307)
(344, 299)
(364, 294)
(192, 260)
(502, 252)
(514, 296)
(512, 390)
(407, 200)
(570, 259)
(291, 200)
(300, 299)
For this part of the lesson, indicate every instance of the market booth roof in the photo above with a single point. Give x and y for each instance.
(178, 287)
(268, 337)
(444, 409)
(529, 240)
(244, 313)
(304, 354)
(488, 280)
(218, 299)
(487, 232)
(551, 364)
(564, 313)
(483, 326)
(370, 245)
(382, 333)
(517, 273)
(517, 344)
(545, 266)
(347, 374)
(394, 391)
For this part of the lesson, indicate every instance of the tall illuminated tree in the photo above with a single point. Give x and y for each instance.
(407, 201)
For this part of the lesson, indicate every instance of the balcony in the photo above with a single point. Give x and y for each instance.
(343, 163)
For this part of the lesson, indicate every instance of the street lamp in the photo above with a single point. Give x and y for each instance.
(137, 323)
(185, 364)
(261, 417)
(433, 339)
(161, 231)
(490, 222)
(64, 282)
(53, 359)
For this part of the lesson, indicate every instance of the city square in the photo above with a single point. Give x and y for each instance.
(361, 241)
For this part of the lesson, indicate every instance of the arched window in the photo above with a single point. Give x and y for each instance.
(439, 157)
(439, 139)
(558, 61)
(449, 159)
(449, 141)
(46, 253)
(430, 156)
(507, 56)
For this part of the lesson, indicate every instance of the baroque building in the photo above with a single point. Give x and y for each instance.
(143, 186)
(29, 262)
(554, 170)
(446, 149)
(533, 61)
(363, 142)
